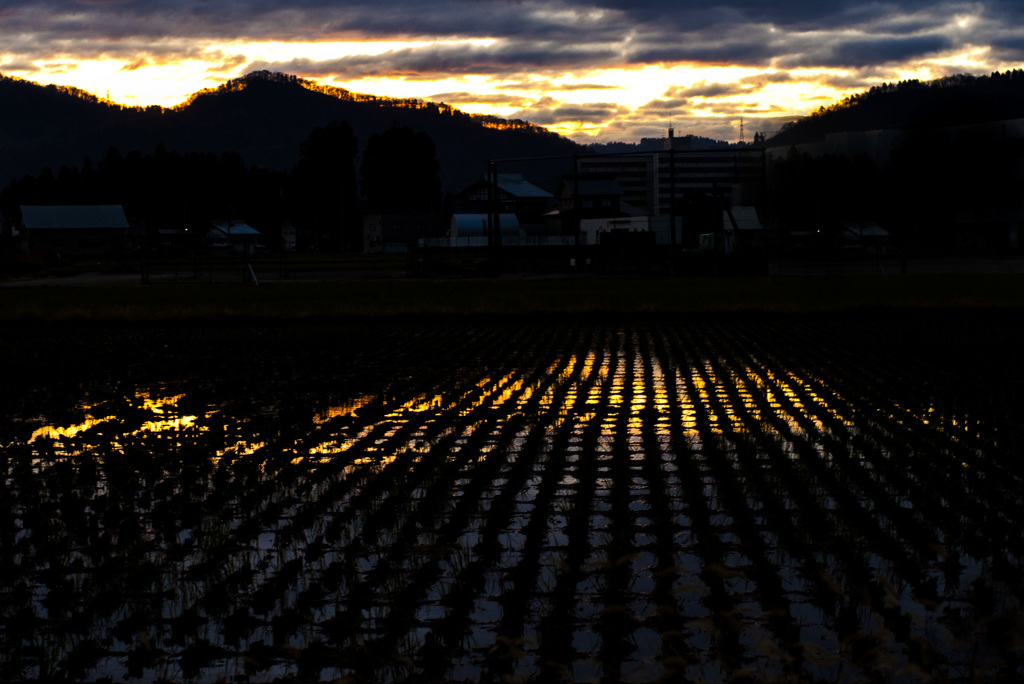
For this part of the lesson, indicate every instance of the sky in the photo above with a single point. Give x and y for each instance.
(594, 70)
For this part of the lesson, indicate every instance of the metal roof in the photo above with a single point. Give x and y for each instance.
(517, 186)
(744, 218)
(74, 217)
(866, 230)
(235, 228)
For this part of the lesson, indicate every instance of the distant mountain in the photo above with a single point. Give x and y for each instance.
(263, 117)
(952, 101)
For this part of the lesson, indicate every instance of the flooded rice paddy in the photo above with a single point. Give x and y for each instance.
(805, 499)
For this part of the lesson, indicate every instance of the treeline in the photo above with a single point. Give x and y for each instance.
(322, 196)
(380, 101)
(951, 101)
(263, 117)
(693, 142)
(936, 190)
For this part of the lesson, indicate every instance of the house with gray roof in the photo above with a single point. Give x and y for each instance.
(513, 194)
(74, 231)
(237, 235)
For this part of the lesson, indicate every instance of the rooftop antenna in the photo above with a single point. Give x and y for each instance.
(741, 129)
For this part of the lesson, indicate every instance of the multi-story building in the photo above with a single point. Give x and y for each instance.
(650, 180)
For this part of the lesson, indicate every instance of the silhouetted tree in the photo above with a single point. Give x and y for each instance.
(322, 188)
(944, 189)
(919, 191)
(821, 194)
(400, 172)
(162, 190)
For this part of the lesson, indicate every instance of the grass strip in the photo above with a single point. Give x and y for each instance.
(503, 297)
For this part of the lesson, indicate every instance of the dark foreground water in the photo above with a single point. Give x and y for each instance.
(804, 499)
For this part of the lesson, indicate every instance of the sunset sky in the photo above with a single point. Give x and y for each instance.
(596, 70)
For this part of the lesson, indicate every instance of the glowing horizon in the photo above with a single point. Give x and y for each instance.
(594, 70)
(169, 85)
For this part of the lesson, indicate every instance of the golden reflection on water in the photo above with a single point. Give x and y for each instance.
(164, 409)
(241, 448)
(549, 432)
(346, 408)
(57, 432)
(624, 387)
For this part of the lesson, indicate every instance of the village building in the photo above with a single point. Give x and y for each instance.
(741, 230)
(866, 236)
(236, 235)
(652, 181)
(74, 231)
(512, 194)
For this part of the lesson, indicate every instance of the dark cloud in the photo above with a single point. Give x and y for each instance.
(547, 111)
(532, 43)
(543, 34)
(860, 53)
(137, 64)
(551, 86)
(448, 59)
(473, 98)
(18, 66)
(227, 64)
(761, 80)
(669, 105)
(705, 89)
(570, 87)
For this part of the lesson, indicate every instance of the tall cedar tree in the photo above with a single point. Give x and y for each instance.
(323, 186)
(400, 172)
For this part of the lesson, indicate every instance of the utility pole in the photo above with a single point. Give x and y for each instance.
(493, 227)
(576, 206)
(672, 207)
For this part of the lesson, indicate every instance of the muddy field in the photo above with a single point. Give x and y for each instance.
(720, 499)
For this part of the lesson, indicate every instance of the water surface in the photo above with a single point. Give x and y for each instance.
(816, 498)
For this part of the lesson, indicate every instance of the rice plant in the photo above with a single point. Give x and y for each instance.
(790, 499)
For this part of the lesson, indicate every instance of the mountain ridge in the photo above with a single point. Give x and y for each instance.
(956, 100)
(262, 116)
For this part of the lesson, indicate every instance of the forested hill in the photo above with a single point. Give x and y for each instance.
(951, 101)
(263, 117)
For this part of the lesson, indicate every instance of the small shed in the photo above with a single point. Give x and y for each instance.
(741, 228)
(237, 235)
(865, 235)
(75, 230)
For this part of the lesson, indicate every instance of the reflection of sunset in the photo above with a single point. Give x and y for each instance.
(651, 474)
(57, 432)
(619, 392)
(144, 400)
(343, 409)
